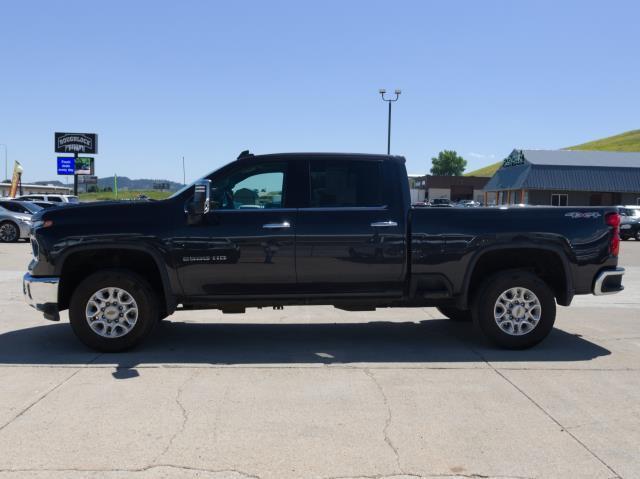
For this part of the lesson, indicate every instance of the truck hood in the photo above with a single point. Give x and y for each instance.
(104, 212)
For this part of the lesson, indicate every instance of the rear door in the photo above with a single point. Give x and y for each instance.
(350, 233)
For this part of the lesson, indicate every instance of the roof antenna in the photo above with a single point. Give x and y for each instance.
(244, 154)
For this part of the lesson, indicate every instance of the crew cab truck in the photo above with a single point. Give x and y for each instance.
(315, 228)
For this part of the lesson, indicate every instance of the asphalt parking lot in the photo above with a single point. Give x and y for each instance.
(318, 392)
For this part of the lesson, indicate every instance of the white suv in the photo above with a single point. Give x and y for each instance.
(51, 198)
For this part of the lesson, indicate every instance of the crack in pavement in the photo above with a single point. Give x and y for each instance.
(185, 416)
(49, 391)
(255, 476)
(140, 469)
(385, 429)
(429, 476)
(549, 415)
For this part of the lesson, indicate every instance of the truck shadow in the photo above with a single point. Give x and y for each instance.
(433, 341)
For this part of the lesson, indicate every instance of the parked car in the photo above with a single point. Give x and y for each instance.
(336, 229)
(440, 203)
(630, 222)
(15, 219)
(468, 204)
(420, 204)
(64, 199)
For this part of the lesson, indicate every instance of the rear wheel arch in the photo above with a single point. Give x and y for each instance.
(548, 263)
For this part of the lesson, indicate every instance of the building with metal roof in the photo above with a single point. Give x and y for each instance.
(28, 189)
(566, 178)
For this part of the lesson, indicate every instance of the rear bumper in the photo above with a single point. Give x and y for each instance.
(42, 294)
(608, 281)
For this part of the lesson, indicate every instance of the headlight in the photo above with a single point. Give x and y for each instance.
(42, 224)
(35, 248)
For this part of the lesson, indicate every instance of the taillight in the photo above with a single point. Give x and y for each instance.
(613, 220)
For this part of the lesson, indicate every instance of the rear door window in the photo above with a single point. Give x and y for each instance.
(350, 183)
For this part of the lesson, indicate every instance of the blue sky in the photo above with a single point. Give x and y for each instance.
(159, 80)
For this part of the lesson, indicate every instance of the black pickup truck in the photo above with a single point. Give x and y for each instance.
(315, 228)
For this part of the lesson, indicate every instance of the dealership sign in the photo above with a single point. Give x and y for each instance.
(88, 180)
(84, 165)
(66, 165)
(514, 159)
(76, 143)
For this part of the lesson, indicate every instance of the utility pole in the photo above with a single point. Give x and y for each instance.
(382, 92)
(75, 175)
(184, 175)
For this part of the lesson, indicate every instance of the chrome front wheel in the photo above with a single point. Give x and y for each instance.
(111, 312)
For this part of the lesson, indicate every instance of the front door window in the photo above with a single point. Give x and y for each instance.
(253, 187)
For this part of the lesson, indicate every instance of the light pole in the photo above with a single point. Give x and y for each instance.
(382, 92)
(6, 170)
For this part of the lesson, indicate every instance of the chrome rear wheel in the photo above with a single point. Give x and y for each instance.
(517, 311)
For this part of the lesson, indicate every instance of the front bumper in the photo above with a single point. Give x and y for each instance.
(608, 281)
(25, 229)
(42, 294)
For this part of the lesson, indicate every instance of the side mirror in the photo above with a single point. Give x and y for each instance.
(200, 204)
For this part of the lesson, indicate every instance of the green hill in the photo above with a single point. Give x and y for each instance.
(628, 141)
(485, 171)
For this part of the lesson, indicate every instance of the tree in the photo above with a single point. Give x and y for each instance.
(448, 163)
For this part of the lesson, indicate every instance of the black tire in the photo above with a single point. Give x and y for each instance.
(456, 314)
(136, 286)
(485, 300)
(9, 232)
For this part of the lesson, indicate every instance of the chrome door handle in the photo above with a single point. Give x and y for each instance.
(275, 226)
(384, 224)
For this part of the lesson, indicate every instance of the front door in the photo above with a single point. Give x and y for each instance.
(246, 243)
(349, 239)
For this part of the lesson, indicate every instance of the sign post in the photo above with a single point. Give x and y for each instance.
(75, 176)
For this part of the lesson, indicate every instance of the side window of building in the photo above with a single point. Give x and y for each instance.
(559, 200)
(345, 183)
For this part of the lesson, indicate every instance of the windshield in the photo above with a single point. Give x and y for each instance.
(73, 199)
(186, 187)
